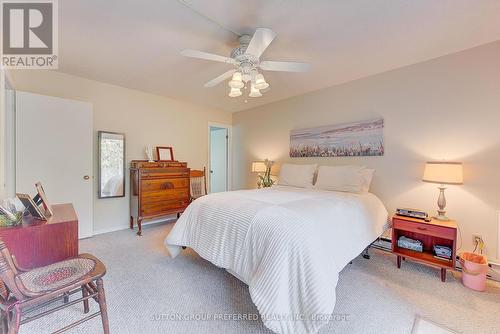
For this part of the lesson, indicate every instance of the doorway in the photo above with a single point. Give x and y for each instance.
(218, 165)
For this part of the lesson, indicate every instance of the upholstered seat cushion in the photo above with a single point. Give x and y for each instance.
(56, 275)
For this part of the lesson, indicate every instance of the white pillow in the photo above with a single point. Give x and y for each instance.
(367, 179)
(297, 175)
(341, 178)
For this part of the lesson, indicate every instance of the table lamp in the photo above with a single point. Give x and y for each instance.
(263, 167)
(443, 173)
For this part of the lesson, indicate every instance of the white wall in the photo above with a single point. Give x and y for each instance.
(145, 119)
(446, 108)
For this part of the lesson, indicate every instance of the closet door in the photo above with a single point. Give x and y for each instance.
(54, 146)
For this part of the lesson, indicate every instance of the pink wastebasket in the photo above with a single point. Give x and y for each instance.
(474, 270)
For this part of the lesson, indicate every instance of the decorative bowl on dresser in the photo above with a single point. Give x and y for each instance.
(157, 189)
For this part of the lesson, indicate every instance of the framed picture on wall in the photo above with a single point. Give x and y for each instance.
(165, 153)
(362, 138)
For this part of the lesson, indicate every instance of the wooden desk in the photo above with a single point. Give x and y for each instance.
(431, 233)
(38, 243)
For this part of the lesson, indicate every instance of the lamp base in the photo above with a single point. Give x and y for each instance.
(441, 204)
(441, 218)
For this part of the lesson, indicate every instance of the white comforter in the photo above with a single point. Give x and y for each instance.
(288, 244)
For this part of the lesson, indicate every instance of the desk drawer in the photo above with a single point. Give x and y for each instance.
(423, 228)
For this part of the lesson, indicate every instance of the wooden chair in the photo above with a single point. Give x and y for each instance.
(198, 182)
(25, 295)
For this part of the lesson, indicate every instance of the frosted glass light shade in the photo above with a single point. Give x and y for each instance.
(260, 82)
(444, 172)
(254, 92)
(258, 167)
(235, 92)
(236, 81)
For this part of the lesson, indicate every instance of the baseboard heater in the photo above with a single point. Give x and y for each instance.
(384, 244)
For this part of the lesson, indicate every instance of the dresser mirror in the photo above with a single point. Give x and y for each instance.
(111, 164)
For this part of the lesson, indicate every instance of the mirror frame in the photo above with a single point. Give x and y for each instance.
(99, 149)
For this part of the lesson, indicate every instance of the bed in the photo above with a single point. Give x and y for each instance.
(287, 244)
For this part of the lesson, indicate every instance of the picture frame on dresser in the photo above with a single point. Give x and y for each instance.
(165, 153)
(31, 206)
(43, 198)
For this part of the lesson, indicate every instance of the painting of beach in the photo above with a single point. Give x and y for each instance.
(343, 140)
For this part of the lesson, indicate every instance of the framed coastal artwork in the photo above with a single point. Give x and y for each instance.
(365, 138)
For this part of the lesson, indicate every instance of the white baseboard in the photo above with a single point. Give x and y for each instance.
(110, 229)
(125, 227)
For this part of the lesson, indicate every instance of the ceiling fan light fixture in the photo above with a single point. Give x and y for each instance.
(260, 82)
(246, 74)
(253, 75)
(235, 92)
(254, 92)
(236, 82)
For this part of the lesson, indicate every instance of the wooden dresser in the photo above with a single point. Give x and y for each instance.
(157, 189)
(37, 243)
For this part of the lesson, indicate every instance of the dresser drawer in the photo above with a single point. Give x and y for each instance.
(423, 228)
(165, 173)
(163, 207)
(164, 184)
(165, 195)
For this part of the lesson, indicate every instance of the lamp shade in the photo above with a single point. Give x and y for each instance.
(235, 92)
(259, 167)
(260, 82)
(236, 81)
(254, 92)
(444, 172)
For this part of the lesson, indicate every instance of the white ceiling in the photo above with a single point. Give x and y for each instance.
(136, 44)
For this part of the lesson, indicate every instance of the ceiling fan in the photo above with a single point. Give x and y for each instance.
(247, 71)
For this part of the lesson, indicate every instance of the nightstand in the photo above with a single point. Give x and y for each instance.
(435, 232)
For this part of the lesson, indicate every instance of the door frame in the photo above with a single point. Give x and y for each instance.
(229, 182)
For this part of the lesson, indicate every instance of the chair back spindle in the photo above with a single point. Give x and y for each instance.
(8, 272)
(198, 183)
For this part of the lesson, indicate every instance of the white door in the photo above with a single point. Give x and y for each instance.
(218, 159)
(54, 146)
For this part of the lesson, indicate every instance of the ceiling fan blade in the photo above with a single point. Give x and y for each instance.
(220, 78)
(260, 41)
(285, 66)
(207, 56)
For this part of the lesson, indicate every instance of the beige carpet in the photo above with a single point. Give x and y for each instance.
(147, 292)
